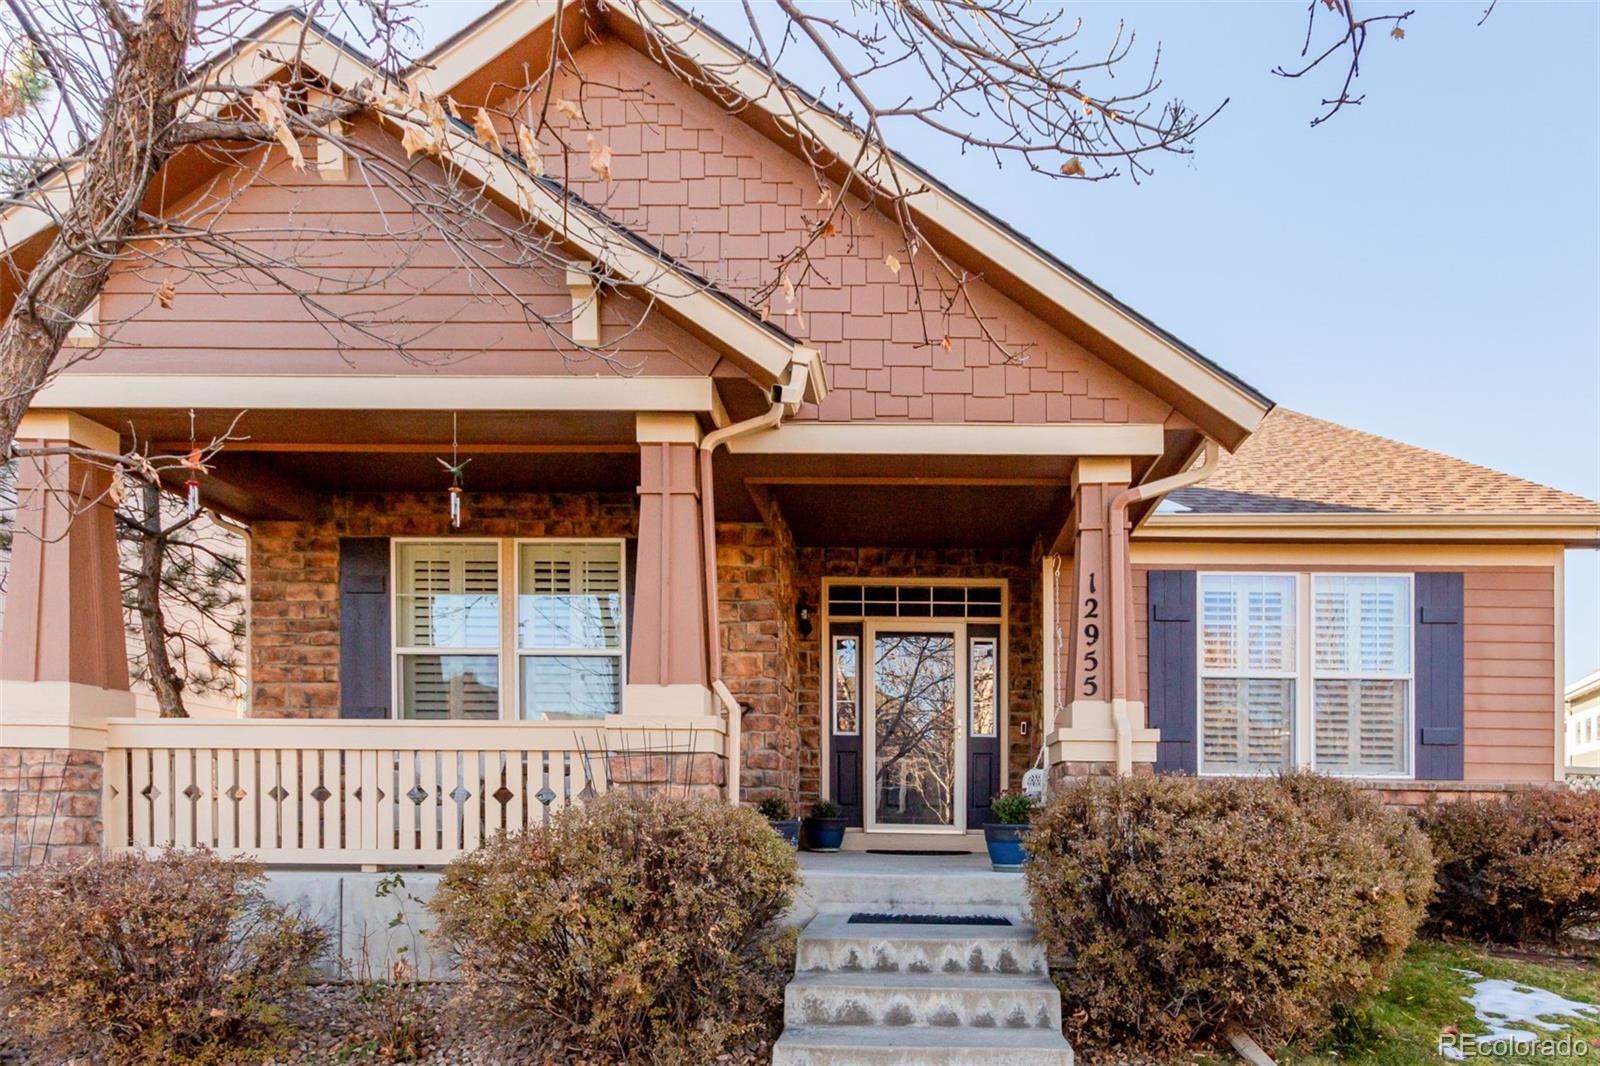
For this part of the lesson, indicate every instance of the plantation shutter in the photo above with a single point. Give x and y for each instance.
(1440, 667)
(1361, 653)
(449, 629)
(364, 670)
(571, 629)
(1172, 685)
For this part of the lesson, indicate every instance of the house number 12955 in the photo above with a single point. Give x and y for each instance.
(1090, 632)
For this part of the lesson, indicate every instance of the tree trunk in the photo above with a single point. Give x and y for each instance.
(147, 601)
(127, 153)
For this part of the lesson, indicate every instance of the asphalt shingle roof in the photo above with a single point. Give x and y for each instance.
(1296, 464)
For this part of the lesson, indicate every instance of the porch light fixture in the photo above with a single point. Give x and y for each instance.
(802, 616)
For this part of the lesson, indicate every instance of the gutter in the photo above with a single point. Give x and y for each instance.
(786, 399)
(1122, 589)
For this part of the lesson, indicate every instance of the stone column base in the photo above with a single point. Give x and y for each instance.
(1092, 738)
(49, 805)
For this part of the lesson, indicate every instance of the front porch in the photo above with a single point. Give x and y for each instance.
(614, 608)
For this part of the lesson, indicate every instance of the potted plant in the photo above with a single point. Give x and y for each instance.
(1006, 836)
(776, 810)
(824, 827)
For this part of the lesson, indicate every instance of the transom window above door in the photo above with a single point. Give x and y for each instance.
(914, 601)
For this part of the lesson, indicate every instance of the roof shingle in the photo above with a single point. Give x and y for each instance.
(1296, 464)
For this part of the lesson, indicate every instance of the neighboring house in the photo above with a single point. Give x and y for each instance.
(1583, 721)
(850, 565)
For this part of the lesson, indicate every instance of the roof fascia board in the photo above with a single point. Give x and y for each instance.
(360, 392)
(1571, 530)
(1067, 440)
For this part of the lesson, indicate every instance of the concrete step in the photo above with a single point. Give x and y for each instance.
(987, 1001)
(831, 944)
(847, 1045)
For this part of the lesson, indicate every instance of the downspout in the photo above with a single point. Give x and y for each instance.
(1122, 594)
(768, 419)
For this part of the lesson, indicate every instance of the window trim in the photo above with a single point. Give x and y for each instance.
(1296, 730)
(512, 640)
(1302, 736)
(509, 652)
(1410, 677)
(397, 651)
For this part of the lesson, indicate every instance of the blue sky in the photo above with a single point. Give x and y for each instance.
(1425, 266)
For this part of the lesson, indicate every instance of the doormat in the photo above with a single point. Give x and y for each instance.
(927, 919)
(905, 851)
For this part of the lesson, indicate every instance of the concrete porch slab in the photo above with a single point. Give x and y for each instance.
(845, 881)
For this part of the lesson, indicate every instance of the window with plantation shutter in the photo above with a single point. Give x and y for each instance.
(447, 629)
(1247, 661)
(1361, 674)
(570, 629)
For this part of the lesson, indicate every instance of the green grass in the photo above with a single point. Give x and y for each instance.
(1427, 995)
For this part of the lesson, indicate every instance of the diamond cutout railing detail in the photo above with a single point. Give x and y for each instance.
(417, 794)
(460, 794)
(277, 794)
(503, 795)
(193, 792)
(545, 796)
(320, 794)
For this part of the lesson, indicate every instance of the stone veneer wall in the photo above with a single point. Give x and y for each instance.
(294, 575)
(756, 590)
(1024, 636)
(49, 804)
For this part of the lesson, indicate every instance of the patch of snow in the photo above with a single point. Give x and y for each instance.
(1516, 1013)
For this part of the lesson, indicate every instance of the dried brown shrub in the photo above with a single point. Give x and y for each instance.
(639, 927)
(175, 958)
(1523, 868)
(1175, 907)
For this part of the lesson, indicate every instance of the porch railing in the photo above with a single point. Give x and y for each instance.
(381, 792)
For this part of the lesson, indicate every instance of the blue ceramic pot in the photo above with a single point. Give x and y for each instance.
(1007, 845)
(824, 834)
(789, 831)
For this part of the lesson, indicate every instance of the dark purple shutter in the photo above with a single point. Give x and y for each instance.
(1441, 676)
(1171, 707)
(364, 670)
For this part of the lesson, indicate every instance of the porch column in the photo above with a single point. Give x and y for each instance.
(667, 662)
(1101, 728)
(63, 655)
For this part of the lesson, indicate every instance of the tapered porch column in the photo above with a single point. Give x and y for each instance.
(667, 662)
(1101, 729)
(63, 655)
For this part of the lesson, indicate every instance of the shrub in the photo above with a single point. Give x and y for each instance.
(1523, 868)
(775, 809)
(132, 959)
(637, 927)
(1013, 808)
(825, 809)
(1175, 908)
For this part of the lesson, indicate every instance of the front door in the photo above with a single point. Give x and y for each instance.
(916, 727)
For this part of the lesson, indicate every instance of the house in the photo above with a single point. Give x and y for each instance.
(805, 553)
(1583, 721)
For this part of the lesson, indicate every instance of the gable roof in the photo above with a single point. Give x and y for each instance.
(1218, 402)
(761, 348)
(1303, 466)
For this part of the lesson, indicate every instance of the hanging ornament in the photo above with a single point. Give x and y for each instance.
(456, 466)
(194, 463)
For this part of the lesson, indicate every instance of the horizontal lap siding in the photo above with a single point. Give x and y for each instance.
(1510, 674)
(414, 291)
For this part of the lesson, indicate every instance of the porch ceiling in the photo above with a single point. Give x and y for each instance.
(922, 515)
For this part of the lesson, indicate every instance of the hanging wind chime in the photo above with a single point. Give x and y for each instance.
(195, 465)
(456, 466)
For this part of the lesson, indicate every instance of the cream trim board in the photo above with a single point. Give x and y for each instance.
(1561, 667)
(69, 426)
(367, 392)
(1577, 530)
(883, 438)
(1246, 556)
